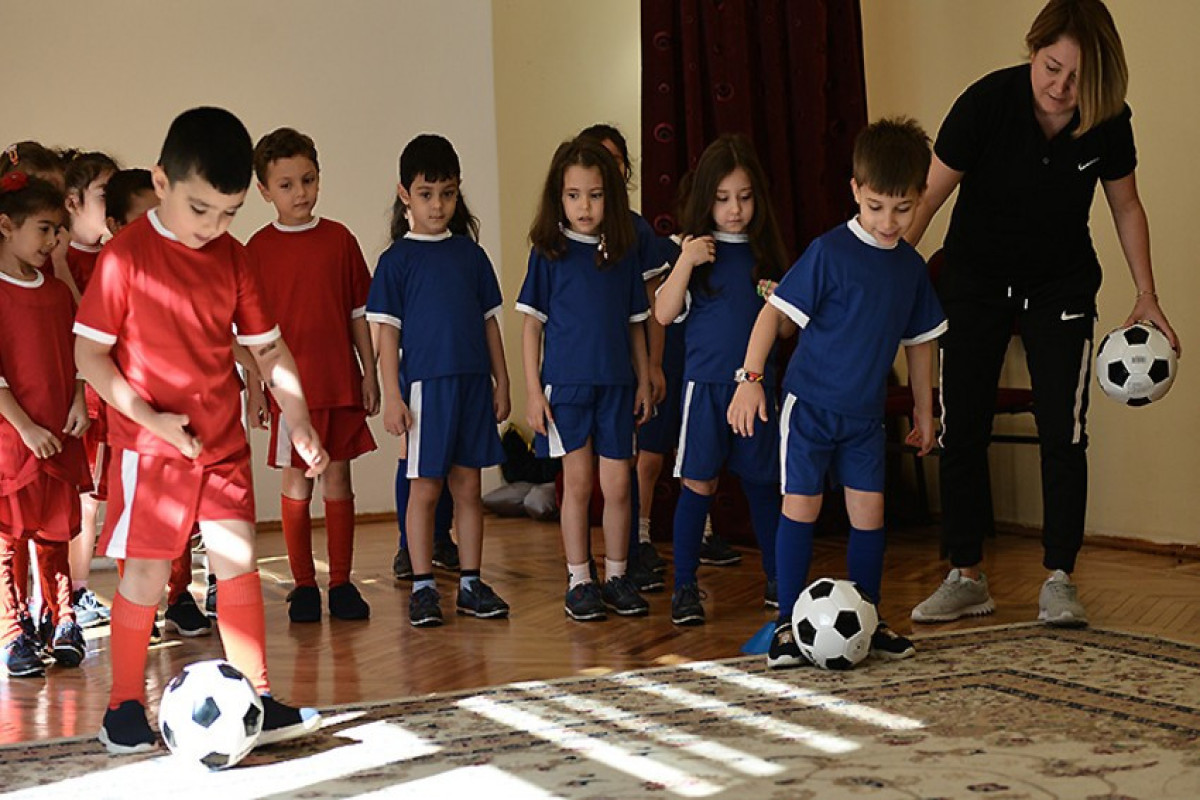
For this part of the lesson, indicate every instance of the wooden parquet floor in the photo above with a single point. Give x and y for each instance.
(340, 662)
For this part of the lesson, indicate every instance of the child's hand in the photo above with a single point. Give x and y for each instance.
(397, 419)
(173, 429)
(643, 403)
(257, 407)
(922, 434)
(537, 412)
(749, 401)
(766, 288)
(42, 442)
(658, 384)
(305, 440)
(697, 250)
(370, 393)
(77, 418)
(501, 404)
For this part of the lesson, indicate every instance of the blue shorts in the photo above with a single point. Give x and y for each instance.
(603, 414)
(707, 442)
(816, 441)
(661, 433)
(453, 424)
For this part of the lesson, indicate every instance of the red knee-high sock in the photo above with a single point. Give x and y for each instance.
(54, 573)
(9, 604)
(181, 575)
(129, 642)
(339, 533)
(297, 535)
(243, 629)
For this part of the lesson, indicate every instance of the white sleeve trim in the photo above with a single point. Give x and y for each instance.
(928, 336)
(358, 313)
(642, 317)
(80, 329)
(687, 303)
(3, 383)
(654, 272)
(383, 319)
(253, 339)
(494, 312)
(794, 314)
(533, 312)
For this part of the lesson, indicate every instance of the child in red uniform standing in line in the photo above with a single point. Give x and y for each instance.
(317, 280)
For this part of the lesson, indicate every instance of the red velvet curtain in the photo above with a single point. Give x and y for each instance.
(787, 73)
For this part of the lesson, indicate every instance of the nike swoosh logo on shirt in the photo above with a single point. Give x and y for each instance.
(1068, 317)
(1087, 164)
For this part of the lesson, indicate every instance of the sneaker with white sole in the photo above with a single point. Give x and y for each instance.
(958, 596)
(1058, 603)
(125, 729)
(889, 645)
(784, 653)
(282, 722)
(89, 611)
(185, 618)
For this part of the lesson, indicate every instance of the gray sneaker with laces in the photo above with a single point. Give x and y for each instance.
(958, 596)
(1058, 603)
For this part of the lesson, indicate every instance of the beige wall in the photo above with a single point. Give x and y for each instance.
(1145, 463)
(361, 78)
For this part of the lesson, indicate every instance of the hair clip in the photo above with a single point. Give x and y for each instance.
(602, 248)
(14, 181)
(11, 152)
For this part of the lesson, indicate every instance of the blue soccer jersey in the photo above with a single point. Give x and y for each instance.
(439, 291)
(586, 312)
(857, 303)
(720, 312)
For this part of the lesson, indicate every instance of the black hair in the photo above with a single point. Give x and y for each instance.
(434, 157)
(22, 195)
(602, 132)
(892, 156)
(82, 168)
(282, 143)
(122, 187)
(212, 144)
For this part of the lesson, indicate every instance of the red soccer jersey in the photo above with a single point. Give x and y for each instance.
(316, 281)
(169, 312)
(81, 260)
(37, 364)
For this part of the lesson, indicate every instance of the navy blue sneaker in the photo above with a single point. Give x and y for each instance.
(717, 552)
(402, 565)
(22, 658)
(445, 555)
(282, 722)
(648, 556)
(620, 595)
(771, 595)
(424, 609)
(480, 601)
(889, 645)
(68, 647)
(686, 608)
(125, 729)
(185, 618)
(583, 603)
(784, 652)
(644, 578)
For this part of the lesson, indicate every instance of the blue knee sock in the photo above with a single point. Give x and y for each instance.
(402, 488)
(690, 512)
(764, 500)
(864, 560)
(793, 555)
(634, 503)
(443, 515)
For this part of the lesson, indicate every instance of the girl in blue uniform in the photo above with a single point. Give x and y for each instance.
(731, 242)
(584, 350)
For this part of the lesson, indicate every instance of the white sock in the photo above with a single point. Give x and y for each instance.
(580, 573)
(708, 531)
(643, 530)
(614, 569)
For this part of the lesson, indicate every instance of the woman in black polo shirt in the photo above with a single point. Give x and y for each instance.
(1025, 146)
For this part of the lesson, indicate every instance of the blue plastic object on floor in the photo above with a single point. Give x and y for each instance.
(760, 642)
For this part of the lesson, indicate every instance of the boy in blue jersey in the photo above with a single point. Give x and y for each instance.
(858, 292)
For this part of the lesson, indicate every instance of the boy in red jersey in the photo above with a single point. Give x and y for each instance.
(153, 338)
(317, 279)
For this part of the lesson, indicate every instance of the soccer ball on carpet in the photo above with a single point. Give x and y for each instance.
(833, 622)
(1135, 365)
(210, 714)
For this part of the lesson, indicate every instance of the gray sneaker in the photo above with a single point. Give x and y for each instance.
(958, 596)
(1058, 603)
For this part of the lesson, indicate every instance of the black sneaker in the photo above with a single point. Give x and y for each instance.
(784, 652)
(155, 633)
(889, 645)
(424, 610)
(480, 601)
(29, 629)
(89, 612)
(644, 578)
(584, 603)
(345, 602)
(685, 605)
(402, 565)
(22, 658)
(210, 597)
(771, 595)
(648, 556)
(445, 555)
(716, 552)
(185, 618)
(304, 604)
(45, 632)
(620, 595)
(68, 647)
(125, 729)
(282, 722)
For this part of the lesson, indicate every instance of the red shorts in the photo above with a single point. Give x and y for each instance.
(343, 433)
(46, 509)
(155, 502)
(95, 443)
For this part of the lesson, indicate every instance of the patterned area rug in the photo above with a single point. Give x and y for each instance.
(1015, 712)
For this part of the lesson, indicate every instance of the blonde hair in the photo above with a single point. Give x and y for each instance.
(1103, 76)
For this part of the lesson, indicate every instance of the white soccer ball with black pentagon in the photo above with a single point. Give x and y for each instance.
(833, 622)
(1135, 365)
(210, 714)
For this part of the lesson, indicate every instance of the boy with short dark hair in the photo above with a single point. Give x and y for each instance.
(318, 281)
(153, 338)
(858, 292)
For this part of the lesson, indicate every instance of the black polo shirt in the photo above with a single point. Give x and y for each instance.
(1021, 218)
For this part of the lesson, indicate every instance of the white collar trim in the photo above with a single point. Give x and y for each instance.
(158, 226)
(37, 280)
(576, 236)
(429, 237)
(858, 230)
(731, 238)
(85, 248)
(308, 226)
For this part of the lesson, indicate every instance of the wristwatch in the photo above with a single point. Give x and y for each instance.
(743, 375)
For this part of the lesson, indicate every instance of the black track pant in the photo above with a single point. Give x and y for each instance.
(1058, 347)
